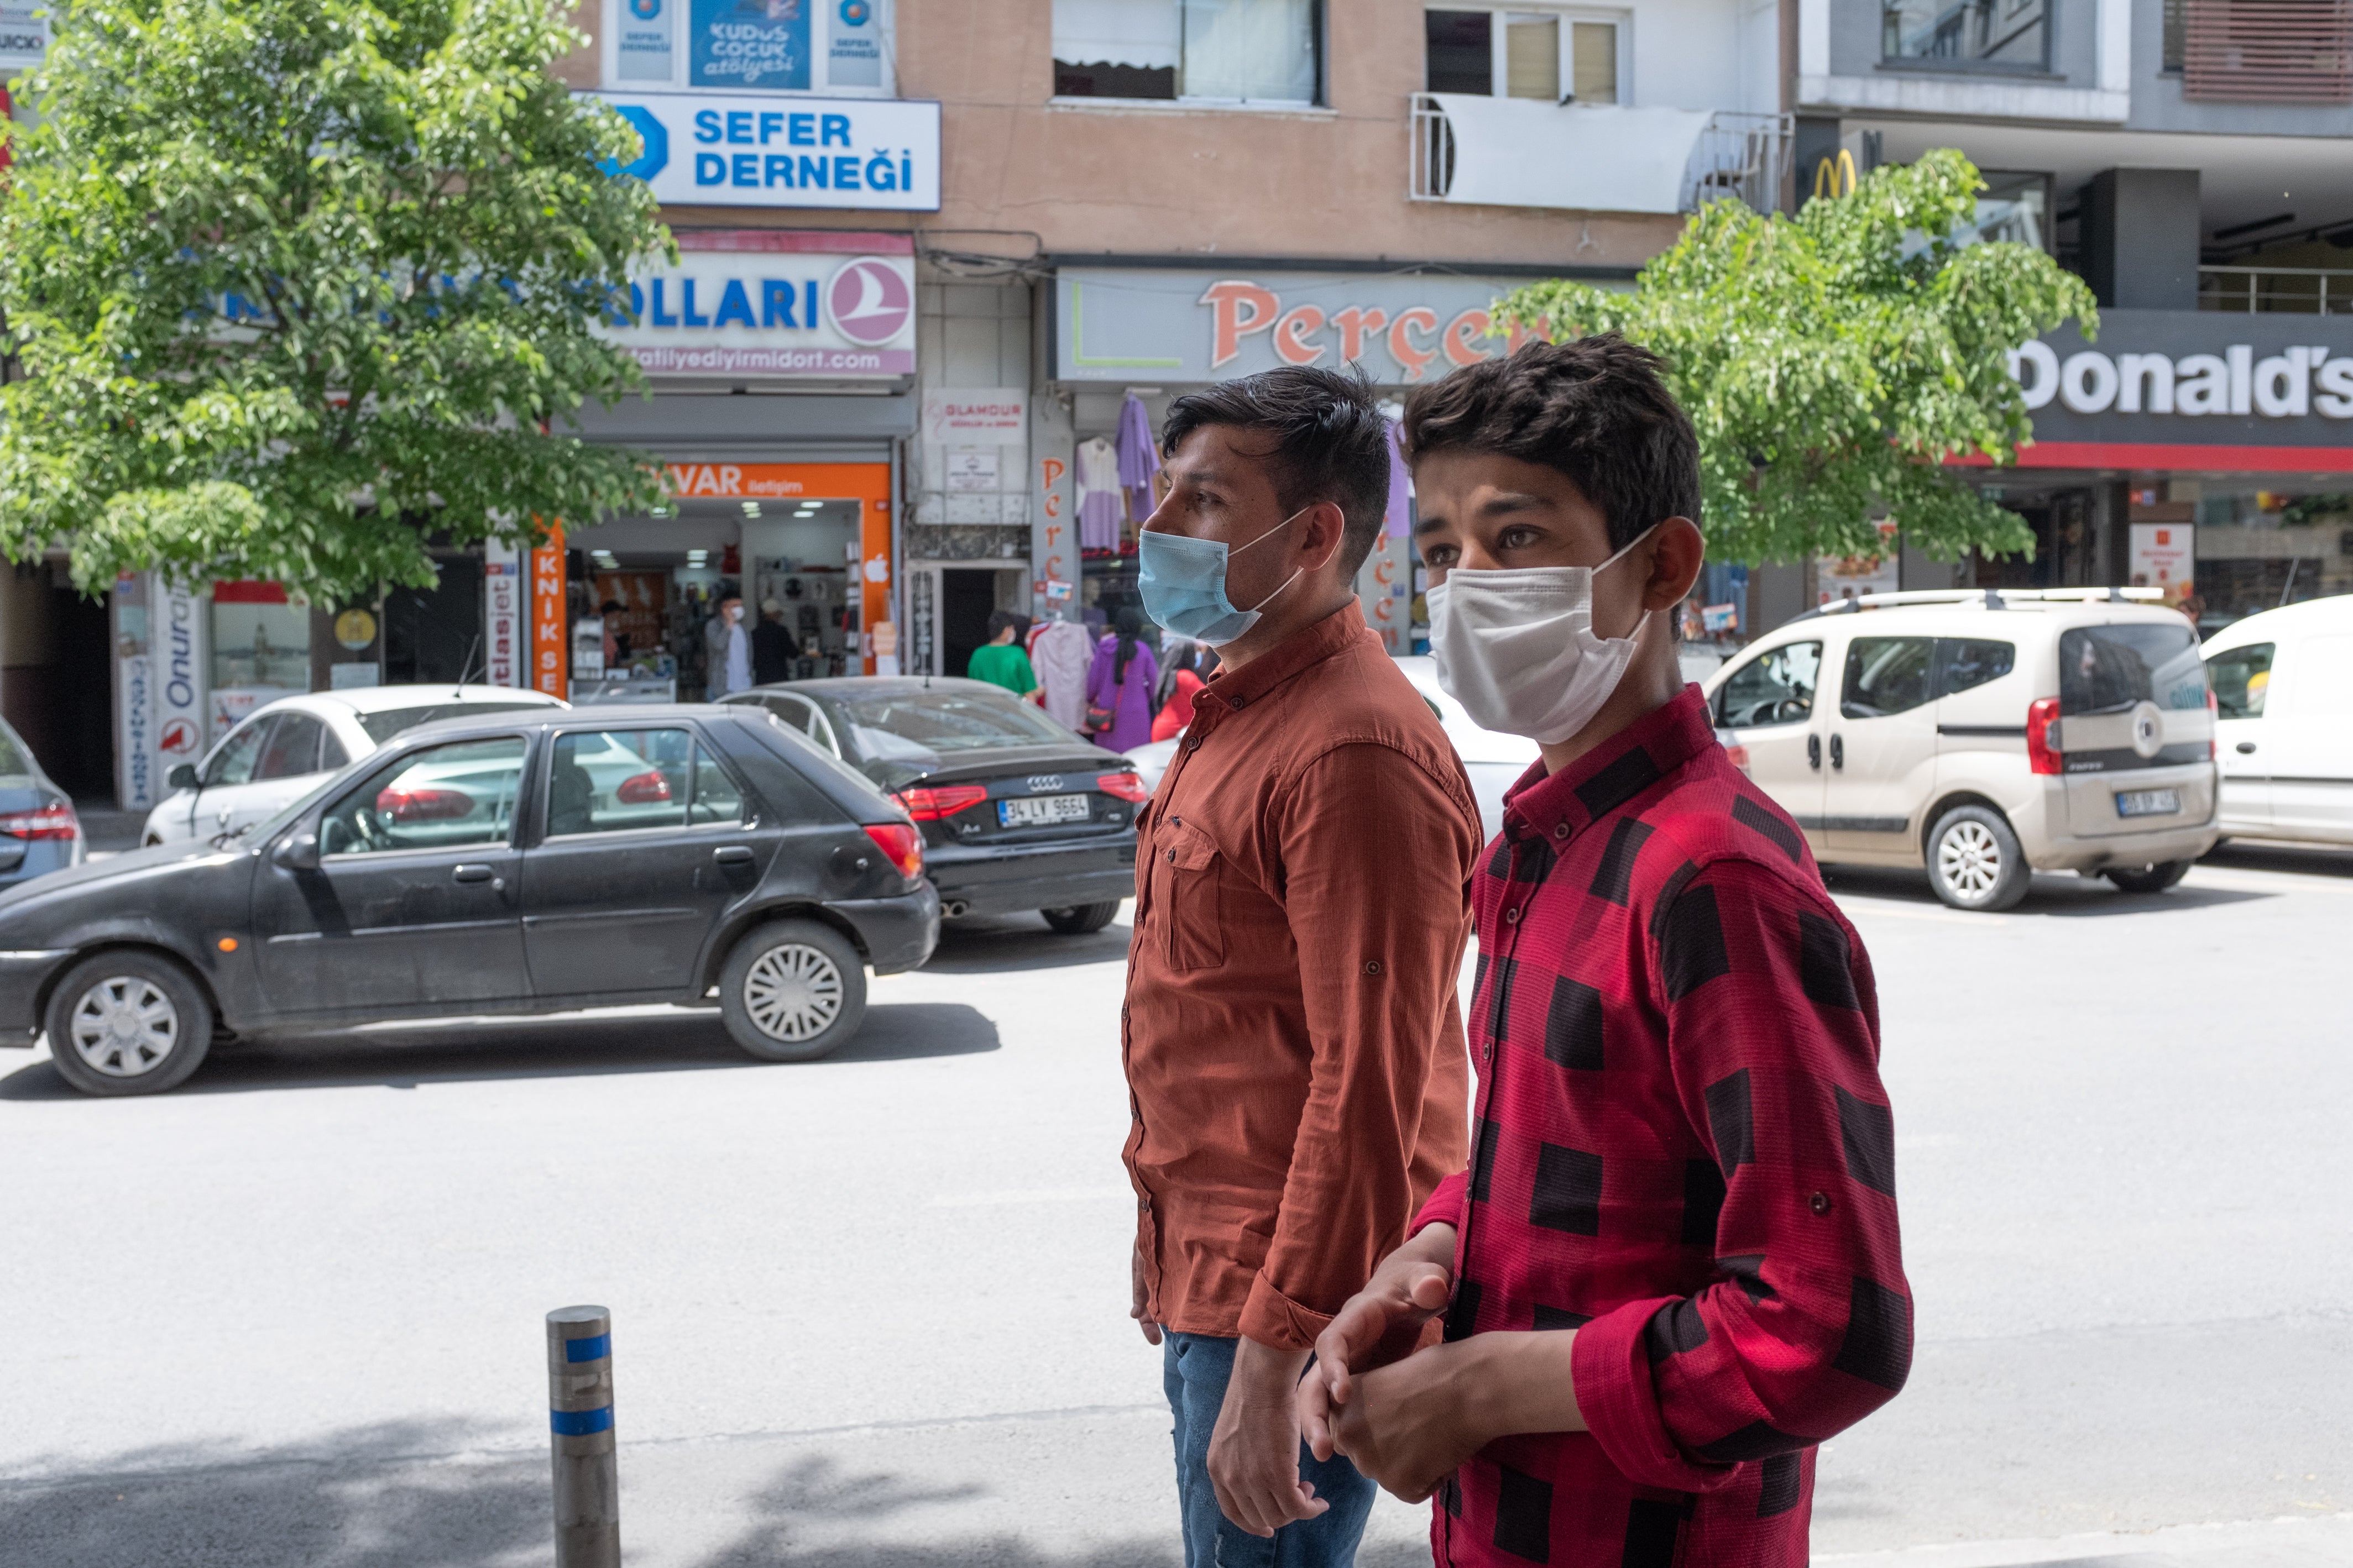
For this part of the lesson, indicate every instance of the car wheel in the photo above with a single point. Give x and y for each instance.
(1081, 919)
(793, 991)
(2148, 878)
(128, 1023)
(1974, 860)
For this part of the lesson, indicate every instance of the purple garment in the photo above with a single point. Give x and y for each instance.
(1399, 514)
(1098, 519)
(1130, 700)
(1139, 457)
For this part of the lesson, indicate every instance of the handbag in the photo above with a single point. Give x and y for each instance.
(1099, 720)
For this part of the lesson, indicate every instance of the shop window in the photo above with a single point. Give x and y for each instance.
(1208, 51)
(261, 641)
(2015, 208)
(1966, 34)
(1551, 55)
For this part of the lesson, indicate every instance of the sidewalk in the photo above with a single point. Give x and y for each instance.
(2321, 1541)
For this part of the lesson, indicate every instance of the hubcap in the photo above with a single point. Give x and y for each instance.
(124, 1026)
(793, 992)
(1968, 859)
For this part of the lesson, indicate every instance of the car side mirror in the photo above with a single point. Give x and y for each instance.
(182, 777)
(296, 852)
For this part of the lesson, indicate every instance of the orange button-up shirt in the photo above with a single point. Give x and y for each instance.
(1295, 1060)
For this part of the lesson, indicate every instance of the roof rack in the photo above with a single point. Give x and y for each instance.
(1986, 598)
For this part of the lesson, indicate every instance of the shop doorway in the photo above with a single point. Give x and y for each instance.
(968, 595)
(2067, 544)
(53, 684)
(435, 634)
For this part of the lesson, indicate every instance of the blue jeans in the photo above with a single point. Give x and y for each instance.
(1195, 1369)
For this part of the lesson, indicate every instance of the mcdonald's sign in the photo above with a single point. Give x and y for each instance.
(1835, 177)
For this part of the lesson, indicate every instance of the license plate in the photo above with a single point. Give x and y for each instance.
(1039, 810)
(2149, 802)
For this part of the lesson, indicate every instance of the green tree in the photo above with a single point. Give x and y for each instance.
(1832, 360)
(292, 285)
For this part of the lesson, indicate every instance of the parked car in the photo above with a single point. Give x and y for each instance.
(2284, 689)
(282, 750)
(39, 831)
(1018, 811)
(1984, 735)
(507, 862)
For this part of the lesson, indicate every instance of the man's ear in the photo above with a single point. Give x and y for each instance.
(1326, 527)
(1677, 552)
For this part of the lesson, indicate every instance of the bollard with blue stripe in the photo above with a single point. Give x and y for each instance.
(580, 1421)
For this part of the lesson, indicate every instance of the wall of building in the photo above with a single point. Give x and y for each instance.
(2157, 104)
(970, 336)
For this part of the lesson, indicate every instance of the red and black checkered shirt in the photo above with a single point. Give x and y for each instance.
(1682, 1153)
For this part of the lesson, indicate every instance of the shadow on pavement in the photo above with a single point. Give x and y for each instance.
(2061, 893)
(577, 1045)
(997, 945)
(2311, 859)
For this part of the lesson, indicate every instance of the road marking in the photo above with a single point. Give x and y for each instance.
(1032, 1196)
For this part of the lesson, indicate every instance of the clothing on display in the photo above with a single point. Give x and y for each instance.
(1397, 519)
(1062, 654)
(1139, 458)
(1098, 499)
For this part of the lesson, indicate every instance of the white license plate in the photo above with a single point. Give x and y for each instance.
(2149, 802)
(1039, 810)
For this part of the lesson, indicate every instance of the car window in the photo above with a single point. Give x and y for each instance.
(792, 710)
(1886, 675)
(385, 723)
(621, 781)
(443, 797)
(2243, 678)
(916, 724)
(2107, 669)
(233, 763)
(1964, 662)
(332, 754)
(292, 749)
(13, 762)
(1775, 687)
(716, 798)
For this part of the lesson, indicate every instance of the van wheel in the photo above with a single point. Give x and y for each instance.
(792, 992)
(2148, 878)
(1083, 918)
(1974, 861)
(128, 1023)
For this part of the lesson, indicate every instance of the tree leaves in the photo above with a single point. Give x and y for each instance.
(296, 284)
(1831, 362)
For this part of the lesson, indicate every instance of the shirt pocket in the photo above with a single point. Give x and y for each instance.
(1193, 926)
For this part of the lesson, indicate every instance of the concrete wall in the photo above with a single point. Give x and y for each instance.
(2157, 104)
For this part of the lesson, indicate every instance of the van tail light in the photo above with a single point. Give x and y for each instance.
(2041, 718)
(55, 820)
(1740, 755)
(1126, 786)
(2213, 716)
(902, 844)
(939, 804)
(647, 788)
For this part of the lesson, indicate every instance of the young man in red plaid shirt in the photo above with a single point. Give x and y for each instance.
(1670, 1269)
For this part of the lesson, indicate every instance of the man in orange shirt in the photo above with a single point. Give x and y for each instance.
(1294, 1058)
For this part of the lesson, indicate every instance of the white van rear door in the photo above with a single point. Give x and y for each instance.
(2311, 740)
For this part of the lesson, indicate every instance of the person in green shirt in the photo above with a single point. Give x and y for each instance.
(1000, 661)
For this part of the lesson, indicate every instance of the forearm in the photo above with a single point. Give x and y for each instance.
(1518, 1383)
(1432, 1244)
(1264, 1374)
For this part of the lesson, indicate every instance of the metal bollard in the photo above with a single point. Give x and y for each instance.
(580, 1414)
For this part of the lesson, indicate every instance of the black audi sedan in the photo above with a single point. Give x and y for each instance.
(513, 863)
(1017, 812)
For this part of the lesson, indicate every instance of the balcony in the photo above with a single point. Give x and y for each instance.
(2292, 291)
(2263, 51)
(1517, 152)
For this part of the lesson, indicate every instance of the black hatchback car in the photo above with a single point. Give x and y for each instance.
(519, 862)
(1017, 812)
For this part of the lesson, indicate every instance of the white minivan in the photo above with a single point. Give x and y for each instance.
(280, 752)
(1984, 735)
(2283, 688)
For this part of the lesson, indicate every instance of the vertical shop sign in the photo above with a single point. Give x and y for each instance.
(134, 700)
(502, 613)
(179, 674)
(2163, 556)
(547, 672)
(642, 44)
(751, 43)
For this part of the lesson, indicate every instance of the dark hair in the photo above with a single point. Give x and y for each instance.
(1595, 410)
(1330, 442)
(1130, 623)
(998, 621)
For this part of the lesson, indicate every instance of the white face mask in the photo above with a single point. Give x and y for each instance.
(1516, 646)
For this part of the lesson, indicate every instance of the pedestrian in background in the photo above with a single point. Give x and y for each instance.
(1180, 681)
(1000, 660)
(727, 650)
(1294, 1058)
(1119, 686)
(1670, 1269)
(771, 645)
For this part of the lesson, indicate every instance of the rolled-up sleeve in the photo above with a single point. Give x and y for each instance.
(1377, 854)
(1774, 1038)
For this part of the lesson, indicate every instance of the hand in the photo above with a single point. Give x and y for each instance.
(1140, 1301)
(1255, 1447)
(1408, 1425)
(1380, 1324)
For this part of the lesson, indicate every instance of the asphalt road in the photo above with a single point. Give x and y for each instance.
(872, 1310)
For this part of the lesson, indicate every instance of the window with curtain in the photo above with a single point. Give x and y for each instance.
(1554, 57)
(1224, 51)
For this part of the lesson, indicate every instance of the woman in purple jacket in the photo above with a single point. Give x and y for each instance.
(1123, 679)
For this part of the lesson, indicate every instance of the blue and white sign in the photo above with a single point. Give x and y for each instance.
(839, 49)
(751, 43)
(768, 305)
(742, 150)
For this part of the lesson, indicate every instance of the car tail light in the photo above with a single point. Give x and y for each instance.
(424, 805)
(647, 788)
(945, 801)
(902, 844)
(1126, 786)
(2042, 718)
(1740, 755)
(55, 820)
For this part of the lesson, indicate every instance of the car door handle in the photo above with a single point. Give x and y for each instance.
(2245, 748)
(1814, 752)
(1838, 751)
(732, 855)
(477, 874)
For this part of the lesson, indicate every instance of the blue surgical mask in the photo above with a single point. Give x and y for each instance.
(1183, 581)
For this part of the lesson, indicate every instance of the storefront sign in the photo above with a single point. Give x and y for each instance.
(502, 627)
(780, 46)
(2163, 557)
(774, 305)
(134, 786)
(982, 415)
(744, 149)
(867, 484)
(1120, 324)
(971, 469)
(23, 33)
(182, 666)
(547, 672)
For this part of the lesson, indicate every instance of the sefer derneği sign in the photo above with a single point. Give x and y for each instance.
(763, 149)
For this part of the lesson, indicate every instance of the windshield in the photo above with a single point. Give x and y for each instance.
(925, 725)
(384, 725)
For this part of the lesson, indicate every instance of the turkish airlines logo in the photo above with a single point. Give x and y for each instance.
(868, 302)
(179, 739)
